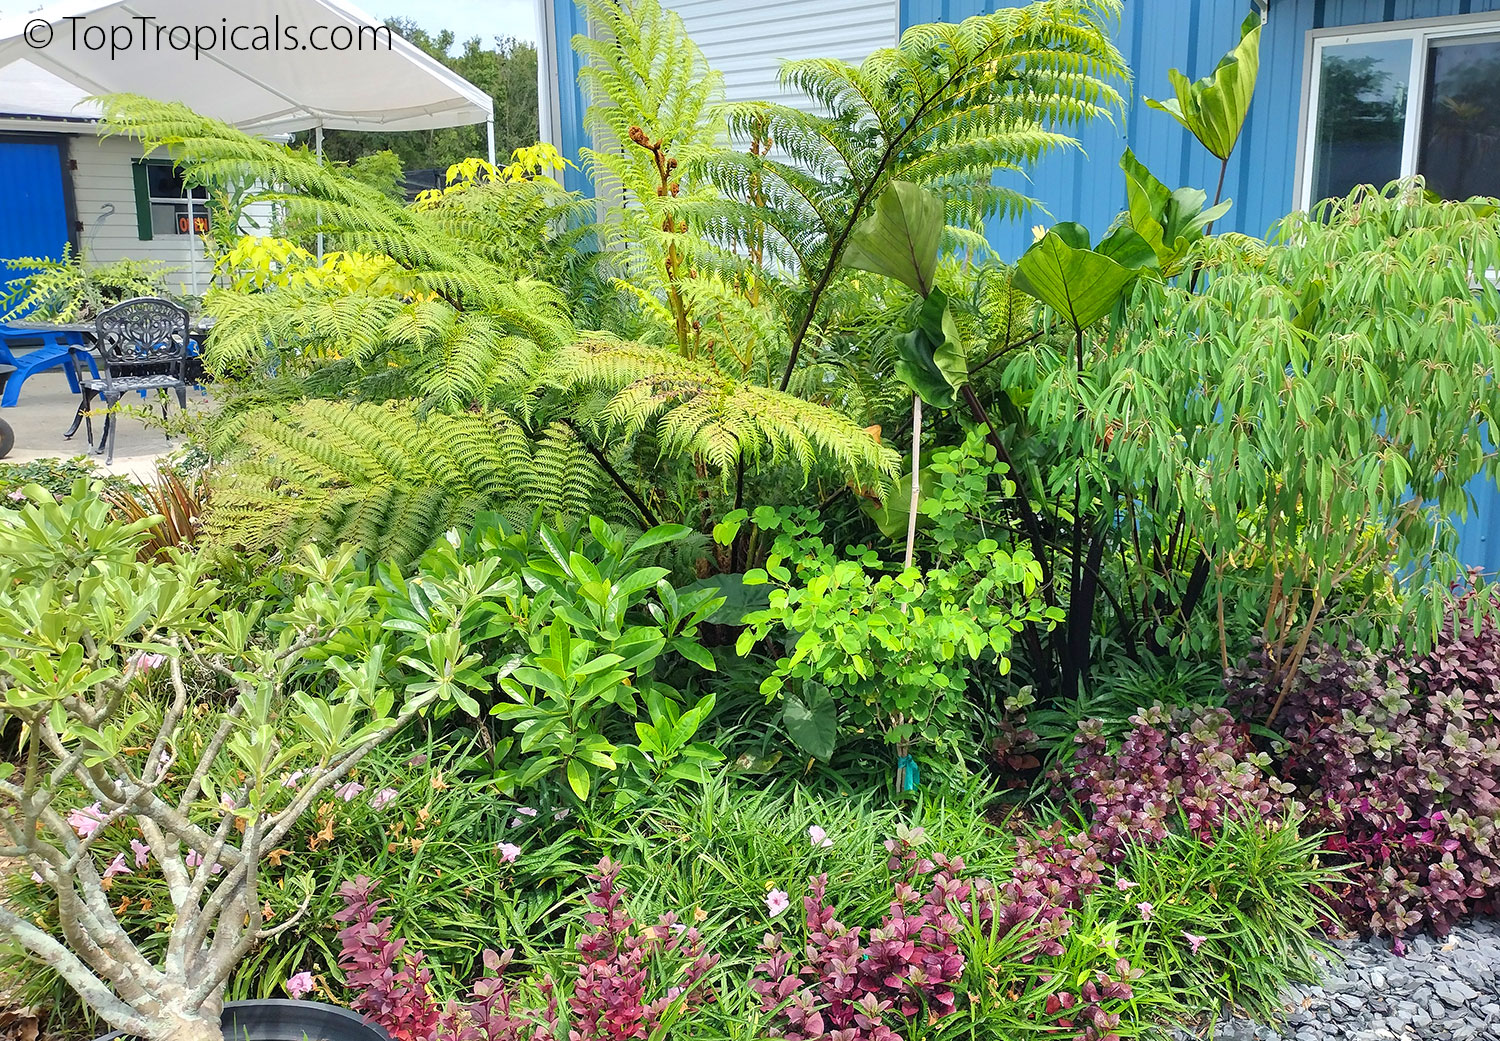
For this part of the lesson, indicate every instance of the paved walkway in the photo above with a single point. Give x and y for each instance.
(46, 410)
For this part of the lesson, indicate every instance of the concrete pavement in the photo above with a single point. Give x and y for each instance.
(46, 410)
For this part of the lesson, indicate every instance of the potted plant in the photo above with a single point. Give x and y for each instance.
(160, 732)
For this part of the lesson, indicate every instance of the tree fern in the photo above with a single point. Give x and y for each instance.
(693, 409)
(391, 480)
(651, 116)
(946, 108)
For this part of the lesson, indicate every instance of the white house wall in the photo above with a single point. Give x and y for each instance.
(104, 190)
(747, 41)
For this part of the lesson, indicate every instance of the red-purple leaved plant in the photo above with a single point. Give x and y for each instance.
(841, 986)
(627, 983)
(1197, 765)
(1399, 760)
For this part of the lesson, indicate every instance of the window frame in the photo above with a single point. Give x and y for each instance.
(144, 200)
(1421, 32)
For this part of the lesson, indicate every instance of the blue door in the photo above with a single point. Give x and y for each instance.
(33, 203)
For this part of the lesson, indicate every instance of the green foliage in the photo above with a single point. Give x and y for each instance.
(1171, 221)
(899, 239)
(72, 289)
(945, 109)
(86, 625)
(1234, 921)
(651, 95)
(1080, 283)
(565, 636)
(887, 652)
(1213, 109)
(1308, 420)
(390, 480)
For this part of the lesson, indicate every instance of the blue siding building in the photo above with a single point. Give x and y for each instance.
(1349, 91)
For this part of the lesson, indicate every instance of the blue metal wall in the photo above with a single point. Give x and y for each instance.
(34, 212)
(1191, 35)
(568, 21)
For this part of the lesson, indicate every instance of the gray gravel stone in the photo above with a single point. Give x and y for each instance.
(1447, 990)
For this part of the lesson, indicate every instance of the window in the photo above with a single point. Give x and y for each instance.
(1403, 99)
(161, 201)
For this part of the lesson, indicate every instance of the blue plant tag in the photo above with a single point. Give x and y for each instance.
(908, 774)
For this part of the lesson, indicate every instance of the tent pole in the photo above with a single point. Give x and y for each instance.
(318, 143)
(489, 130)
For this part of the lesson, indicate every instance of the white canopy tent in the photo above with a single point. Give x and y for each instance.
(266, 66)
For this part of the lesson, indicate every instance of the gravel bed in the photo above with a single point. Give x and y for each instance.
(1446, 990)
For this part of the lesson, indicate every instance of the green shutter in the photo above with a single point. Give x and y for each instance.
(142, 199)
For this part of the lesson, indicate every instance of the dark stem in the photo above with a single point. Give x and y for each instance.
(737, 549)
(1081, 610)
(1218, 194)
(614, 475)
(836, 250)
(1008, 348)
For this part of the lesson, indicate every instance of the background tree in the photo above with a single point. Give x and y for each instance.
(506, 71)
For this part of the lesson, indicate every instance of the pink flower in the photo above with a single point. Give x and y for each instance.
(819, 837)
(86, 820)
(141, 661)
(348, 790)
(37, 878)
(1194, 941)
(383, 798)
(1124, 885)
(142, 852)
(16, 495)
(300, 985)
(293, 779)
(117, 867)
(526, 811)
(1146, 910)
(777, 901)
(509, 851)
(194, 859)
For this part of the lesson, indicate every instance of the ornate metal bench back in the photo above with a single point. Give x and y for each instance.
(143, 336)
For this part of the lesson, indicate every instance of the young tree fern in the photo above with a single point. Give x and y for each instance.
(651, 114)
(946, 108)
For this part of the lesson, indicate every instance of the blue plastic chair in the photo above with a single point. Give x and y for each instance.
(52, 351)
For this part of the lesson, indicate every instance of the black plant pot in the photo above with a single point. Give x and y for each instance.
(282, 1019)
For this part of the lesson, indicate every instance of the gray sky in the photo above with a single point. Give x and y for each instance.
(482, 18)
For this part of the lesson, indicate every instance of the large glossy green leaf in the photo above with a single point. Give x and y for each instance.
(1213, 109)
(932, 359)
(811, 718)
(900, 238)
(1169, 221)
(890, 514)
(1078, 283)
